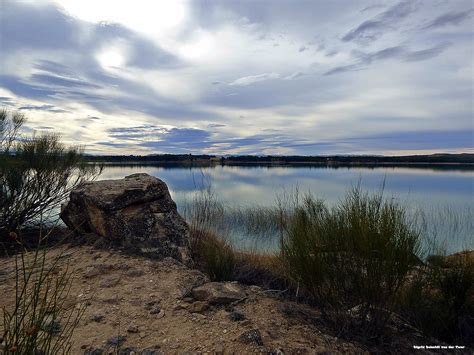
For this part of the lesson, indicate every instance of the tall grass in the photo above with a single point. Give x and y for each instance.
(39, 322)
(359, 260)
(352, 258)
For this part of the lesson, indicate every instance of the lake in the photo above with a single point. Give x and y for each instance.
(444, 196)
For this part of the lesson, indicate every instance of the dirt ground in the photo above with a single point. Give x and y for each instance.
(134, 305)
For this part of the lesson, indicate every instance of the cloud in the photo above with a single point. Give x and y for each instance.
(295, 75)
(385, 21)
(229, 71)
(425, 54)
(450, 18)
(398, 52)
(45, 107)
(6, 101)
(249, 80)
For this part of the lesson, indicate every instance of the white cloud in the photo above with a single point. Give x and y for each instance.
(249, 80)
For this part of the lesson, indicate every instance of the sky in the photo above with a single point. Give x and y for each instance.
(280, 77)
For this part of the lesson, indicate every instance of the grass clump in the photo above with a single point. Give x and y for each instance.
(39, 322)
(214, 255)
(352, 258)
(440, 299)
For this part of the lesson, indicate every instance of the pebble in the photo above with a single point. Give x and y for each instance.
(236, 316)
(109, 281)
(97, 318)
(117, 340)
(132, 329)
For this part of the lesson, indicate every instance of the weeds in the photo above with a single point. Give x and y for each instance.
(39, 322)
(352, 258)
(440, 299)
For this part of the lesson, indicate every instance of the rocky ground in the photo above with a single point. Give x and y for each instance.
(135, 305)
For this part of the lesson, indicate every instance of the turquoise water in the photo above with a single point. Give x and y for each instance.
(445, 197)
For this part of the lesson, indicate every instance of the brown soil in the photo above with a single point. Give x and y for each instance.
(124, 296)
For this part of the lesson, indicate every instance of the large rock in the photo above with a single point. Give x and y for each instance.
(136, 212)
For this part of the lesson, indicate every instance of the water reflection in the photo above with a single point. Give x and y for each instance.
(434, 191)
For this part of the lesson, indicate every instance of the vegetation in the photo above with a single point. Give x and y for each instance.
(36, 174)
(360, 262)
(354, 256)
(440, 299)
(39, 321)
(370, 160)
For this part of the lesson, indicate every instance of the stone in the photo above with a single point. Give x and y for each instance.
(219, 350)
(251, 336)
(152, 351)
(198, 307)
(97, 318)
(109, 281)
(134, 273)
(127, 351)
(236, 316)
(219, 293)
(136, 213)
(133, 329)
(116, 340)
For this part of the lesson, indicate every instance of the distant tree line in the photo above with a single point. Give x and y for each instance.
(298, 159)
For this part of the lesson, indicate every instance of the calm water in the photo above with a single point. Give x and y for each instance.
(446, 197)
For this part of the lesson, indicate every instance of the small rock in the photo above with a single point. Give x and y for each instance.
(161, 314)
(109, 281)
(236, 316)
(219, 349)
(134, 273)
(91, 271)
(132, 329)
(155, 310)
(94, 351)
(251, 336)
(219, 292)
(151, 305)
(152, 351)
(198, 307)
(117, 340)
(97, 318)
(127, 351)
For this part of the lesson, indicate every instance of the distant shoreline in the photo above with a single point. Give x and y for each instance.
(465, 161)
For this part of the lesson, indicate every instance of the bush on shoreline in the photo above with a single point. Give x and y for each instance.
(359, 261)
(36, 175)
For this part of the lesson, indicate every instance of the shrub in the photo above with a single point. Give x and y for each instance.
(215, 256)
(36, 173)
(440, 300)
(38, 322)
(352, 258)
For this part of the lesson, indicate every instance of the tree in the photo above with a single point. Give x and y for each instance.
(36, 173)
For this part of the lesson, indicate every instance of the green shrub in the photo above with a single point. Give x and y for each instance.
(214, 255)
(36, 173)
(352, 258)
(38, 322)
(440, 301)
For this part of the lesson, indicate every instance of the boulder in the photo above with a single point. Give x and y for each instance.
(219, 293)
(136, 212)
